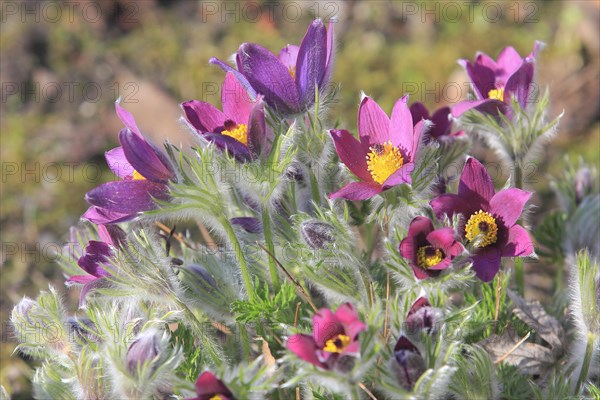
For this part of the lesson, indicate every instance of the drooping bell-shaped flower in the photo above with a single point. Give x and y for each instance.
(422, 317)
(489, 219)
(441, 123)
(407, 363)
(384, 156)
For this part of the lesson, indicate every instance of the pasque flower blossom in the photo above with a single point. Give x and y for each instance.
(287, 81)
(407, 363)
(495, 82)
(441, 128)
(429, 251)
(385, 155)
(489, 219)
(209, 387)
(422, 317)
(144, 171)
(335, 335)
(240, 128)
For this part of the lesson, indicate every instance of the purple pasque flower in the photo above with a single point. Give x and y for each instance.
(209, 387)
(334, 336)
(385, 155)
(287, 81)
(240, 128)
(441, 128)
(429, 250)
(97, 254)
(489, 219)
(422, 317)
(144, 171)
(407, 363)
(496, 82)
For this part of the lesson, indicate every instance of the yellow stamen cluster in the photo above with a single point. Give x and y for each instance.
(337, 344)
(292, 71)
(239, 133)
(137, 176)
(497, 94)
(216, 397)
(482, 227)
(428, 257)
(383, 160)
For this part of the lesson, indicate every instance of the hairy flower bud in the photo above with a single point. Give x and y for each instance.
(145, 349)
(317, 234)
(202, 274)
(423, 317)
(22, 311)
(407, 363)
(583, 183)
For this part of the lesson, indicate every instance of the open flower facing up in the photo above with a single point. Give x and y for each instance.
(288, 81)
(489, 218)
(335, 335)
(240, 128)
(441, 129)
(96, 254)
(429, 251)
(144, 171)
(385, 155)
(496, 82)
(209, 387)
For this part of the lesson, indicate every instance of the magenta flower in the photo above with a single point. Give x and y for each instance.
(209, 387)
(239, 129)
(96, 254)
(496, 82)
(334, 336)
(429, 251)
(385, 155)
(422, 317)
(144, 171)
(288, 81)
(441, 128)
(490, 219)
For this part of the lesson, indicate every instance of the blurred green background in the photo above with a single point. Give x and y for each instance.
(62, 66)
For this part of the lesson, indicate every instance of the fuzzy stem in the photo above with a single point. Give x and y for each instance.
(268, 234)
(314, 188)
(240, 256)
(585, 367)
(520, 275)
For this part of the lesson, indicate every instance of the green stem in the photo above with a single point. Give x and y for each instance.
(585, 367)
(268, 233)
(210, 347)
(518, 178)
(240, 256)
(520, 275)
(314, 187)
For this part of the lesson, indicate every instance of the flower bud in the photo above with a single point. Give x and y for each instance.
(317, 234)
(407, 363)
(583, 183)
(202, 274)
(249, 224)
(22, 311)
(423, 317)
(145, 349)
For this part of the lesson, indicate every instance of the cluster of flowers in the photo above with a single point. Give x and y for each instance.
(264, 95)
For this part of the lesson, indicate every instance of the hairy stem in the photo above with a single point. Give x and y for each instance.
(268, 233)
(587, 359)
(240, 256)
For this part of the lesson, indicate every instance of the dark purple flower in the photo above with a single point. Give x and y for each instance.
(385, 155)
(144, 349)
(209, 387)
(489, 218)
(334, 337)
(240, 128)
(317, 234)
(429, 251)
(287, 81)
(407, 363)
(96, 255)
(441, 128)
(496, 82)
(144, 171)
(249, 224)
(422, 317)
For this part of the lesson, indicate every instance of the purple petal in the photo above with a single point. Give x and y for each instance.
(269, 77)
(260, 136)
(330, 55)
(475, 184)
(82, 279)
(401, 126)
(203, 116)
(416, 237)
(518, 243)
(98, 215)
(418, 111)
(508, 205)
(347, 315)
(127, 119)
(312, 58)
(353, 349)
(417, 305)
(519, 84)
(208, 384)
(325, 326)
(421, 273)
(127, 197)
(357, 191)
(232, 146)
(112, 234)
(420, 128)
(249, 224)
(304, 347)
(145, 158)
(509, 61)
(289, 56)
(481, 75)
(96, 254)
(442, 238)
(486, 263)
(450, 204)
(240, 77)
(373, 124)
(402, 175)
(118, 164)
(404, 344)
(351, 153)
(441, 122)
(237, 103)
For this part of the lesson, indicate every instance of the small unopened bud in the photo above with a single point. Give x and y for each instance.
(145, 349)
(202, 274)
(249, 224)
(83, 329)
(583, 183)
(423, 317)
(317, 234)
(22, 311)
(407, 363)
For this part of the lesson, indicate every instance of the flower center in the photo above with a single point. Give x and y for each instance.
(292, 71)
(216, 397)
(383, 160)
(237, 131)
(337, 344)
(496, 94)
(137, 176)
(428, 257)
(482, 227)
